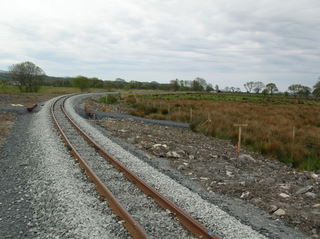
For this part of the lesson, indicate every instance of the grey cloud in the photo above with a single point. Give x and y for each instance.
(258, 40)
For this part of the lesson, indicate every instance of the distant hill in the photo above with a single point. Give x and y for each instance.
(4, 75)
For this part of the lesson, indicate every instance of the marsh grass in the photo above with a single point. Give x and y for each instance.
(270, 125)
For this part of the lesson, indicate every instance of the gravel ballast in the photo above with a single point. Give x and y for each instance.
(210, 215)
(65, 204)
(158, 223)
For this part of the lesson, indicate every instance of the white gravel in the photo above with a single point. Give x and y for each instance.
(65, 203)
(210, 215)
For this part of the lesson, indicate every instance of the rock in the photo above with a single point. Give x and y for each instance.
(204, 178)
(246, 157)
(315, 176)
(285, 186)
(284, 195)
(191, 157)
(303, 190)
(156, 145)
(310, 195)
(280, 212)
(123, 130)
(180, 167)
(229, 174)
(172, 154)
(269, 181)
(224, 157)
(131, 140)
(245, 194)
(316, 205)
(181, 152)
(273, 208)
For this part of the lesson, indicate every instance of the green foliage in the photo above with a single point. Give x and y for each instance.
(109, 99)
(81, 82)
(271, 88)
(27, 76)
(299, 90)
(316, 89)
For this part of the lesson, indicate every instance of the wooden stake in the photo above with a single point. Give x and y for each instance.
(239, 136)
(293, 139)
(293, 134)
(190, 115)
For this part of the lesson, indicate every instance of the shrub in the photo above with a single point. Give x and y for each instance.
(109, 99)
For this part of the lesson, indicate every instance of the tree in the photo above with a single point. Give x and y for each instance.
(175, 85)
(81, 82)
(271, 88)
(258, 86)
(27, 76)
(96, 83)
(119, 83)
(249, 86)
(316, 89)
(196, 85)
(299, 90)
(3, 82)
(209, 87)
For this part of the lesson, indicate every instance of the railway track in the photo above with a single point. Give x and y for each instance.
(143, 211)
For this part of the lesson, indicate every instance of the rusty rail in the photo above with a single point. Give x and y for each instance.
(132, 226)
(187, 221)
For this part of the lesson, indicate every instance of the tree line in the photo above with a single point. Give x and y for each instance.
(29, 78)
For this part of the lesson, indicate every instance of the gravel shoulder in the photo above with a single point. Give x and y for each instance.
(15, 207)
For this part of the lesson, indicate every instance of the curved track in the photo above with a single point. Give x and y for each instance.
(128, 196)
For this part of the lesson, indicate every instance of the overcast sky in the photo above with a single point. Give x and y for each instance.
(227, 42)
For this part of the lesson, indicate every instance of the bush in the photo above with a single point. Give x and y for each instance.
(109, 99)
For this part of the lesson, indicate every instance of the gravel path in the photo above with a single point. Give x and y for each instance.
(15, 206)
(210, 215)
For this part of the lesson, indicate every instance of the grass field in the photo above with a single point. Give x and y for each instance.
(285, 128)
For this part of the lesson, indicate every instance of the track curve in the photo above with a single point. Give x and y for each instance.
(84, 149)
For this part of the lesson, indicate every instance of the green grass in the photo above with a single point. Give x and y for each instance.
(8, 89)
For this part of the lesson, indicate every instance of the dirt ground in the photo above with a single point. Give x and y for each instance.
(25, 99)
(17, 100)
(270, 185)
(6, 122)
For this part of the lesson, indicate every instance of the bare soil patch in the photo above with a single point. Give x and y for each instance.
(22, 99)
(292, 195)
(25, 99)
(6, 122)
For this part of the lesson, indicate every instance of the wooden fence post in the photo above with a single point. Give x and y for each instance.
(239, 136)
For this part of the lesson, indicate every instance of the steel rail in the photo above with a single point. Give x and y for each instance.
(186, 220)
(134, 228)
